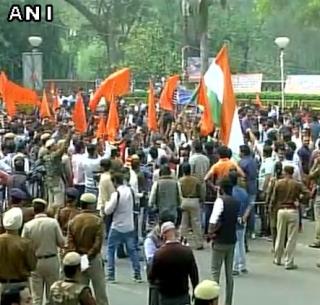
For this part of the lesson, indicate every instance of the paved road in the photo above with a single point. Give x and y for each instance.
(265, 284)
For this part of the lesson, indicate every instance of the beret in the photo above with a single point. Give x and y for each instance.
(72, 192)
(50, 142)
(18, 194)
(45, 136)
(39, 200)
(72, 259)
(207, 290)
(9, 135)
(88, 198)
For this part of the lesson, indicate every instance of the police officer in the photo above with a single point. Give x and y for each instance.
(85, 236)
(70, 210)
(46, 235)
(17, 256)
(70, 290)
(53, 166)
(207, 293)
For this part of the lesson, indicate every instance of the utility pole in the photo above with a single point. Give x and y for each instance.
(185, 5)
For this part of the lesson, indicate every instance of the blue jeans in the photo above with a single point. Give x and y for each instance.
(129, 239)
(239, 262)
(251, 220)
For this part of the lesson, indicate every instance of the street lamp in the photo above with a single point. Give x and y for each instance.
(35, 41)
(282, 43)
(32, 64)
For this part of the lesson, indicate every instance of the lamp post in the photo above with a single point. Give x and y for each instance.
(32, 64)
(282, 43)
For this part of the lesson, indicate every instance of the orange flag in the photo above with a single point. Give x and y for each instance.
(79, 115)
(52, 88)
(166, 98)
(152, 114)
(5, 89)
(44, 107)
(113, 120)
(117, 84)
(56, 103)
(101, 130)
(258, 101)
(206, 123)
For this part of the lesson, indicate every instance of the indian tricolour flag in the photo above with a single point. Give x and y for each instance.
(222, 101)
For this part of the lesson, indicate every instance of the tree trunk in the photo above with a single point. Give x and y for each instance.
(203, 19)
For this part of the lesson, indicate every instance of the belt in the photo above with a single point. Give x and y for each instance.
(46, 256)
(288, 206)
(12, 281)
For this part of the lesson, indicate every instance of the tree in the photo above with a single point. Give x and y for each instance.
(149, 52)
(113, 20)
(200, 10)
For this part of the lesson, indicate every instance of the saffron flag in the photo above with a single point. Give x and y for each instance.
(79, 115)
(116, 84)
(166, 98)
(101, 129)
(44, 107)
(222, 101)
(152, 114)
(113, 120)
(258, 101)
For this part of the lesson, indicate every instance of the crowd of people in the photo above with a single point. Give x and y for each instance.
(73, 203)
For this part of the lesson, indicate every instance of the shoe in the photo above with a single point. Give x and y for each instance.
(253, 236)
(200, 248)
(137, 279)
(277, 263)
(318, 265)
(235, 273)
(315, 245)
(291, 267)
(244, 271)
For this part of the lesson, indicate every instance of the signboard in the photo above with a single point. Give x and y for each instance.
(194, 68)
(247, 83)
(303, 84)
(32, 70)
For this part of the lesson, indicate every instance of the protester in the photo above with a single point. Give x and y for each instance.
(172, 267)
(223, 233)
(121, 206)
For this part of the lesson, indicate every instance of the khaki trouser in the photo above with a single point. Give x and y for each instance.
(317, 218)
(46, 273)
(56, 196)
(191, 218)
(288, 223)
(97, 276)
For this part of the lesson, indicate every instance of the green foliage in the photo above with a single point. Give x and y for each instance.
(150, 53)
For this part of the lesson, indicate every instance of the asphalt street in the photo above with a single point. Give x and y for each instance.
(264, 285)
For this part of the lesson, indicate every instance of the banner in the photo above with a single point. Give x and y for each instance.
(303, 84)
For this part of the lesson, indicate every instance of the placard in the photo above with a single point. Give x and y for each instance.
(247, 83)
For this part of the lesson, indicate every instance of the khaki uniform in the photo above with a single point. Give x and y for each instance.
(65, 215)
(69, 292)
(192, 194)
(17, 260)
(286, 196)
(85, 236)
(46, 236)
(54, 173)
(315, 174)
